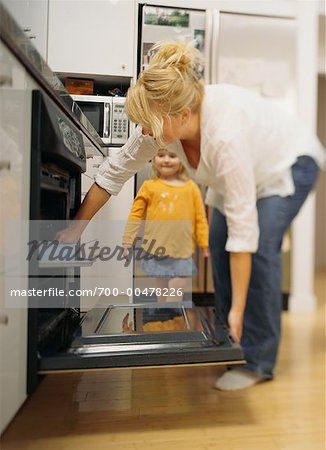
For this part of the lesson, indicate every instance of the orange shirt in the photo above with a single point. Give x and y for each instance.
(174, 218)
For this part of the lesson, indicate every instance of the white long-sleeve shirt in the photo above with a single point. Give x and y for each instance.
(248, 145)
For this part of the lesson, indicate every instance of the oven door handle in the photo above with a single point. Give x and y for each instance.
(46, 264)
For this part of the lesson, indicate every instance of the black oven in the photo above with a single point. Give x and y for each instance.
(60, 336)
(57, 161)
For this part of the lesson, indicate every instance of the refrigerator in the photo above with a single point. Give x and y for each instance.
(254, 51)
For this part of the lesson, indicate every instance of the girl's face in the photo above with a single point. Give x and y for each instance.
(167, 163)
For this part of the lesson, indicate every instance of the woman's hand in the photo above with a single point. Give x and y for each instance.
(235, 322)
(127, 325)
(240, 267)
(95, 198)
(205, 251)
(127, 248)
(69, 235)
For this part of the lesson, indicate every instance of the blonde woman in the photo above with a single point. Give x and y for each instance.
(259, 164)
(172, 208)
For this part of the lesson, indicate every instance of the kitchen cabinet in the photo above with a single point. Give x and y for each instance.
(91, 37)
(31, 16)
(15, 136)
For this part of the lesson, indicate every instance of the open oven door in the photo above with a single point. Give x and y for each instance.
(138, 336)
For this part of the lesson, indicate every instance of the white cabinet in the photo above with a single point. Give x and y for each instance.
(15, 138)
(32, 17)
(91, 37)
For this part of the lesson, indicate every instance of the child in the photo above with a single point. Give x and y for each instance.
(175, 218)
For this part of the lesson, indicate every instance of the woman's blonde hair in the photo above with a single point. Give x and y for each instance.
(182, 172)
(171, 83)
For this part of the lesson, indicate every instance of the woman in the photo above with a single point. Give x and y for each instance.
(259, 164)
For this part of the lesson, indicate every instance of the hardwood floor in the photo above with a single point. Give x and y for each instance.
(176, 408)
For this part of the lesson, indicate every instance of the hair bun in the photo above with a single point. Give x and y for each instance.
(179, 55)
(170, 84)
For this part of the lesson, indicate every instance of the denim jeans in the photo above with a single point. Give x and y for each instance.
(262, 318)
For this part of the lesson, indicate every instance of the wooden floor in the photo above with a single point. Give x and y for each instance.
(176, 408)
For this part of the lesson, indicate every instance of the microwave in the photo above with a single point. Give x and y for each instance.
(107, 116)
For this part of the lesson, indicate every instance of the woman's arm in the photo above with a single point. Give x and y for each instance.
(93, 201)
(111, 176)
(240, 268)
(237, 178)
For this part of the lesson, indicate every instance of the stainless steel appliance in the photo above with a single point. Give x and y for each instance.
(107, 116)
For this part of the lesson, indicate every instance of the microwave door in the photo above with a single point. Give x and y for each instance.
(136, 335)
(98, 113)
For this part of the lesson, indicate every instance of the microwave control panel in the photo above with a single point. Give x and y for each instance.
(119, 121)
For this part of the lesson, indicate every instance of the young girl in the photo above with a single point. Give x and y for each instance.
(175, 219)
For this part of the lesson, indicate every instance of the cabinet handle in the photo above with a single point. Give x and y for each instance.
(5, 80)
(32, 36)
(4, 319)
(123, 66)
(27, 29)
(5, 165)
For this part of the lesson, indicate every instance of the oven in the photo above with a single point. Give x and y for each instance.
(57, 161)
(134, 334)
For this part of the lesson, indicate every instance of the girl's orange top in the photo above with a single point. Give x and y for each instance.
(174, 218)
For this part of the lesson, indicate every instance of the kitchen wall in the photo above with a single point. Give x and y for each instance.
(321, 186)
(320, 253)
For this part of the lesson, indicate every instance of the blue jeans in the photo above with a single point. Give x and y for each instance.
(262, 318)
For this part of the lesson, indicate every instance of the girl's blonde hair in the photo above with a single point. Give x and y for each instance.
(182, 172)
(171, 83)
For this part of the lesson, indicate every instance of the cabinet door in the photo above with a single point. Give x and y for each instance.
(31, 16)
(91, 37)
(15, 137)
